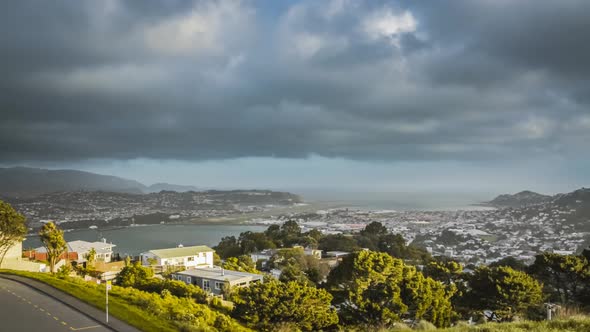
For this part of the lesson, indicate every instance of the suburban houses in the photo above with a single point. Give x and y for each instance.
(187, 257)
(78, 251)
(212, 279)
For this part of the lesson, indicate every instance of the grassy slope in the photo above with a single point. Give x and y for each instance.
(576, 324)
(573, 324)
(95, 296)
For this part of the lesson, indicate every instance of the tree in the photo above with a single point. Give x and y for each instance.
(251, 242)
(374, 229)
(242, 263)
(228, 247)
(395, 245)
(507, 291)
(445, 271)
(290, 229)
(273, 232)
(133, 274)
(510, 262)
(53, 241)
(89, 266)
(338, 242)
(376, 289)
(566, 277)
(295, 265)
(263, 306)
(12, 228)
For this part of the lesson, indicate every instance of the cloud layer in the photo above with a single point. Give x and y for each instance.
(362, 80)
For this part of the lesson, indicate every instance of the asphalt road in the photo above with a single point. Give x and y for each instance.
(25, 309)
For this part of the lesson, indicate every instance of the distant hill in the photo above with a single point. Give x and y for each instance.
(26, 182)
(523, 198)
(157, 187)
(567, 209)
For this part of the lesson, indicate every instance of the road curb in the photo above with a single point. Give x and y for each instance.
(76, 304)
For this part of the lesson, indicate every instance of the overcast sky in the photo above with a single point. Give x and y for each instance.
(489, 95)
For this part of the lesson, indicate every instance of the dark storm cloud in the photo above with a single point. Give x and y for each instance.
(364, 80)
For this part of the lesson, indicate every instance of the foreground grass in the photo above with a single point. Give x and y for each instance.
(578, 323)
(95, 296)
(572, 324)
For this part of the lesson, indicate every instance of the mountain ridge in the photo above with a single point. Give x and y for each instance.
(29, 182)
(520, 199)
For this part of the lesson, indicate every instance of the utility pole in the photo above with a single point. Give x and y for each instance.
(107, 288)
(550, 308)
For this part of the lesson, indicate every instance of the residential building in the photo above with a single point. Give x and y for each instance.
(188, 257)
(13, 259)
(212, 279)
(104, 251)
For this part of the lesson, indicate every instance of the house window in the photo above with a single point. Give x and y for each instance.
(188, 279)
(218, 285)
(190, 259)
(206, 285)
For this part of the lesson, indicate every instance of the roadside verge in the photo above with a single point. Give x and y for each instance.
(72, 302)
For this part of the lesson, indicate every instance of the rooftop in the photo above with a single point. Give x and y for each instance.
(80, 246)
(180, 252)
(216, 273)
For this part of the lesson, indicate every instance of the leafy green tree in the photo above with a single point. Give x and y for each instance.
(566, 277)
(290, 228)
(446, 271)
(53, 240)
(216, 259)
(376, 289)
(295, 265)
(228, 247)
(314, 234)
(174, 287)
(375, 229)
(251, 242)
(510, 262)
(338, 242)
(89, 266)
(273, 232)
(395, 245)
(242, 263)
(507, 291)
(290, 233)
(292, 272)
(12, 228)
(133, 274)
(91, 257)
(64, 271)
(265, 305)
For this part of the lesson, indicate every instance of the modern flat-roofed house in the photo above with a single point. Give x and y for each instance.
(188, 257)
(212, 279)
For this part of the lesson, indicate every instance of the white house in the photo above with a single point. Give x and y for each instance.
(104, 250)
(189, 257)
